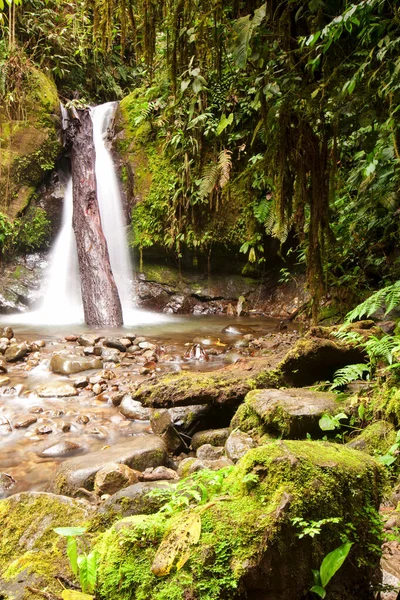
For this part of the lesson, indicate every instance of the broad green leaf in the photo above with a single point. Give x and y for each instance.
(83, 572)
(1, 5)
(318, 590)
(326, 423)
(387, 459)
(72, 553)
(176, 545)
(332, 562)
(91, 563)
(224, 122)
(70, 531)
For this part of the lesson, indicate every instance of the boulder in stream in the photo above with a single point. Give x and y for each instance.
(16, 352)
(138, 453)
(67, 364)
(56, 389)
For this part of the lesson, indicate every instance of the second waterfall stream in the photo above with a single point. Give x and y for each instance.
(62, 302)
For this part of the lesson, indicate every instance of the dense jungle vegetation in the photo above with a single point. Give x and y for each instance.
(259, 119)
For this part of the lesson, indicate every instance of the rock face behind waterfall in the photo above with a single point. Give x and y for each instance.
(101, 303)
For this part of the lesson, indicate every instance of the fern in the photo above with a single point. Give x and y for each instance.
(216, 174)
(388, 296)
(382, 349)
(209, 180)
(350, 373)
(224, 167)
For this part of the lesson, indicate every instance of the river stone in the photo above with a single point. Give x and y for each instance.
(25, 422)
(138, 453)
(114, 343)
(290, 412)
(7, 333)
(67, 364)
(63, 448)
(56, 389)
(4, 345)
(188, 466)
(208, 452)
(215, 437)
(237, 329)
(237, 444)
(113, 477)
(134, 410)
(29, 545)
(135, 500)
(111, 355)
(7, 482)
(3, 366)
(158, 474)
(4, 380)
(185, 419)
(88, 340)
(16, 352)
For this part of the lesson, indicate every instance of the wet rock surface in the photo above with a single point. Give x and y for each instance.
(139, 453)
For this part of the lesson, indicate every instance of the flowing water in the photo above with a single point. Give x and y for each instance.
(90, 420)
(62, 302)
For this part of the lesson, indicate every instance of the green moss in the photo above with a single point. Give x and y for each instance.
(31, 146)
(244, 526)
(28, 543)
(376, 438)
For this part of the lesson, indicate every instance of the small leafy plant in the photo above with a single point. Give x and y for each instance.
(391, 455)
(83, 563)
(199, 488)
(312, 528)
(331, 422)
(329, 566)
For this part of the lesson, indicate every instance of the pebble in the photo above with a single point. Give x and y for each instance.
(24, 423)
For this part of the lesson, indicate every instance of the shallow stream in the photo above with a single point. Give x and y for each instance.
(90, 420)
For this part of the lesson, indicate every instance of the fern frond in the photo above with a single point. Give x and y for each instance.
(209, 180)
(348, 374)
(389, 296)
(224, 166)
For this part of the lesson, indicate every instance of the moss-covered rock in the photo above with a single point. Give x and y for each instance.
(376, 438)
(289, 413)
(31, 553)
(248, 546)
(29, 145)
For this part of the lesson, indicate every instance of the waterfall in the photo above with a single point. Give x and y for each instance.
(110, 205)
(62, 301)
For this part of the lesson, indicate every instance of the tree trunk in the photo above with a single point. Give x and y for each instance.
(101, 303)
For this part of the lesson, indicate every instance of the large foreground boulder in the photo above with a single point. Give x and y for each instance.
(31, 553)
(138, 453)
(248, 546)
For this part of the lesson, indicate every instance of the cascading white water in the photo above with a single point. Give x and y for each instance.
(62, 301)
(110, 205)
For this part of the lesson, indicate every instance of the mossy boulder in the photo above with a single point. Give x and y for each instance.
(289, 413)
(30, 141)
(31, 553)
(376, 438)
(315, 359)
(248, 545)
